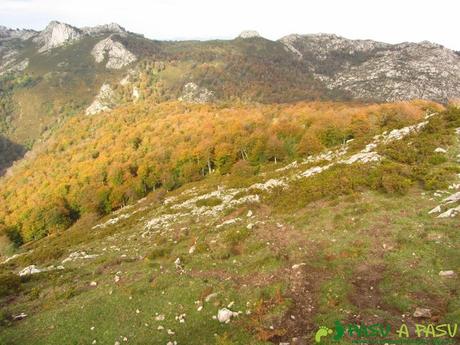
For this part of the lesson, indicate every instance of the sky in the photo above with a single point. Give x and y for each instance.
(391, 21)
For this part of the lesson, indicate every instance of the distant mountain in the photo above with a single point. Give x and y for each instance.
(380, 71)
(48, 75)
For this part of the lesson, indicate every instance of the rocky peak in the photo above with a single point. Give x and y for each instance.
(57, 34)
(112, 28)
(115, 52)
(249, 34)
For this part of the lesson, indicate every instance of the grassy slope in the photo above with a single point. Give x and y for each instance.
(368, 257)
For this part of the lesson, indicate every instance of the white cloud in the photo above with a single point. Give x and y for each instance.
(391, 21)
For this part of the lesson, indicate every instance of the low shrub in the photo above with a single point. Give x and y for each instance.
(9, 284)
(209, 202)
(160, 252)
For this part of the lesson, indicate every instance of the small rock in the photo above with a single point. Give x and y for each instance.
(224, 315)
(440, 150)
(93, 284)
(160, 317)
(422, 313)
(20, 316)
(178, 263)
(192, 249)
(249, 214)
(437, 209)
(447, 274)
(210, 296)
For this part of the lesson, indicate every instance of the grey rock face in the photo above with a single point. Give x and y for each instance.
(374, 70)
(115, 52)
(104, 101)
(57, 34)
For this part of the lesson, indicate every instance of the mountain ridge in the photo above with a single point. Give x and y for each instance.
(49, 75)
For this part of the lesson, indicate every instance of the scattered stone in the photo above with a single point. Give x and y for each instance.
(81, 255)
(447, 274)
(93, 284)
(32, 269)
(296, 266)
(181, 318)
(160, 317)
(437, 209)
(422, 313)
(440, 150)
(228, 222)
(210, 297)
(19, 316)
(192, 249)
(224, 315)
(249, 214)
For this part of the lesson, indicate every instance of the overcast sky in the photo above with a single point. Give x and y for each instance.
(390, 21)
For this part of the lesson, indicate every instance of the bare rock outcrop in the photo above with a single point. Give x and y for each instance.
(104, 29)
(114, 52)
(104, 101)
(249, 34)
(57, 34)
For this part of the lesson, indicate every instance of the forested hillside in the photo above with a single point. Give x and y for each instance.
(94, 165)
